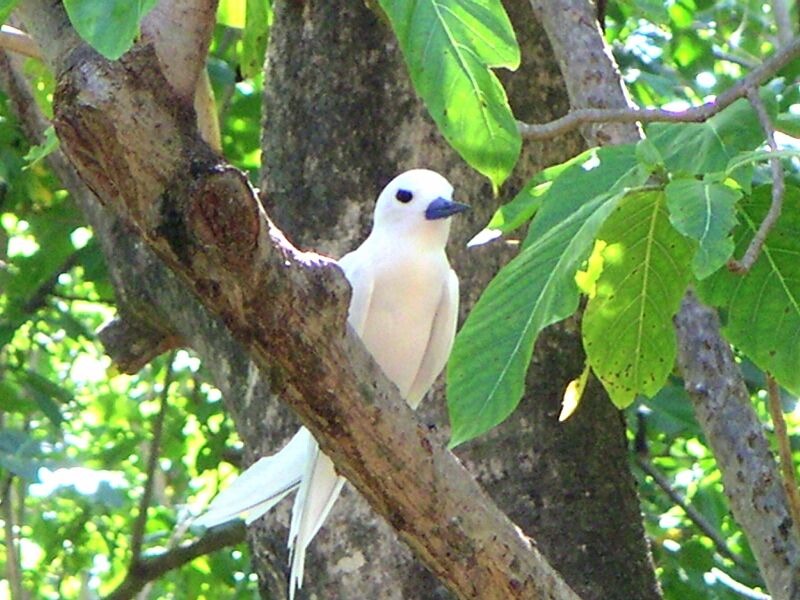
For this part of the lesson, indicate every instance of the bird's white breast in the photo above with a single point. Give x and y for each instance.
(407, 287)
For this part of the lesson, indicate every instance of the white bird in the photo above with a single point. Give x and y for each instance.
(404, 306)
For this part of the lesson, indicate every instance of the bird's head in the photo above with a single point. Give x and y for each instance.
(417, 205)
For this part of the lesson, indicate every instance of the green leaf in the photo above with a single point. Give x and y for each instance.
(491, 354)
(109, 26)
(256, 36)
(6, 6)
(627, 327)
(762, 308)
(46, 394)
(788, 123)
(42, 151)
(706, 213)
(693, 148)
(232, 13)
(747, 158)
(450, 47)
(20, 453)
(580, 177)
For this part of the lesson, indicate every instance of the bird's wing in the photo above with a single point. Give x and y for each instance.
(262, 485)
(440, 343)
(361, 277)
(319, 490)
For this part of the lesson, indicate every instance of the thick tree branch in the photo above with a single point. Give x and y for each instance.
(151, 568)
(138, 150)
(757, 243)
(583, 116)
(711, 376)
(180, 31)
(736, 436)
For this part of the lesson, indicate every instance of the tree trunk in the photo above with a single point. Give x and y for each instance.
(341, 119)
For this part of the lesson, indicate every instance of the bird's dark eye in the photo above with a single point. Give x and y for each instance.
(404, 196)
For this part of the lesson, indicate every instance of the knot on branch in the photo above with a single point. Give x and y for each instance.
(221, 221)
(132, 344)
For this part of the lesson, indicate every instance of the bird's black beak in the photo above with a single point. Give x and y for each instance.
(442, 208)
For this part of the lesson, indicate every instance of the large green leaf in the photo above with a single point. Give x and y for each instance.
(762, 309)
(627, 327)
(109, 26)
(486, 371)
(450, 47)
(580, 177)
(705, 212)
(693, 148)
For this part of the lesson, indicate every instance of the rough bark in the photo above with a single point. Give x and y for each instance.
(711, 377)
(340, 120)
(736, 435)
(287, 307)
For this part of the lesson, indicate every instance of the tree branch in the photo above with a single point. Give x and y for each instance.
(757, 243)
(694, 515)
(205, 221)
(13, 571)
(584, 116)
(18, 41)
(140, 524)
(131, 343)
(180, 31)
(706, 362)
(784, 451)
(736, 436)
(39, 297)
(151, 568)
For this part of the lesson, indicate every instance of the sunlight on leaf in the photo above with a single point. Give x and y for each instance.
(627, 327)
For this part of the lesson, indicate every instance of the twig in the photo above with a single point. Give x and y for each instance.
(778, 185)
(694, 515)
(13, 573)
(732, 58)
(152, 463)
(584, 116)
(783, 21)
(738, 587)
(18, 41)
(784, 450)
(151, 568)
(38, 298)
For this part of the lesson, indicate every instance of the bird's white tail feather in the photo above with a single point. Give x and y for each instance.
(318, 492)
(262, 485)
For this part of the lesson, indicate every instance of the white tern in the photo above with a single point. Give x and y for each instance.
(404, 307)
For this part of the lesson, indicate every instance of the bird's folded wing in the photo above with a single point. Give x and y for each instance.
(440, 343)
(361, 279)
